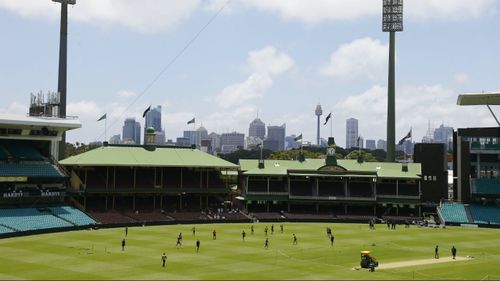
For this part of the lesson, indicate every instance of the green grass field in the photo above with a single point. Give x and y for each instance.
(96, 254)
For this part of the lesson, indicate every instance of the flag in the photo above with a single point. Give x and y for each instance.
(191, 121)
(405, 138)
(146, 111)
(328, 118)
(297, 138)
(259, 144)
(102, 117)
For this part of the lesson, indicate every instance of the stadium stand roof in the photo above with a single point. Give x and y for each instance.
(379, 169)
(479, 99)
(140, 156)
(29, 121)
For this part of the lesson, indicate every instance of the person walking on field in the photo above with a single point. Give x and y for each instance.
(214, 234)
(332, 239)
(198, 245)
(123, 244)
(436, 252)
(164, 260)
(453, 252)
(266, 243)
(243, 234)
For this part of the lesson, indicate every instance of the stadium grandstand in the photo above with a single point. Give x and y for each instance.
(347, 190)
(32, 183)
(128, 183)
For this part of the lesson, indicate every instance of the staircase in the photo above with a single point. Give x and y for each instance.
(9, 227)
(468, 213)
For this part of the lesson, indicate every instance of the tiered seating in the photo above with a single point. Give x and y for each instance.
(487, 186)
(262, 216)
(186, 216)
(111, 217)
(25, 219)
(73, 215)
(308, 216)
(22, 150)
(43, 170)
(149, 216)
(453, 212)
(3, 153)
(361, 218)
(4, 229)
(485, 214)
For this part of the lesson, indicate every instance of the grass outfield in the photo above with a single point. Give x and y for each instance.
(97, 254)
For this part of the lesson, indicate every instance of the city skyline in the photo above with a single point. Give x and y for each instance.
(278, 74)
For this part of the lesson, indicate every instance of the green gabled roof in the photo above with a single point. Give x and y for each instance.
(281, 167)
(139, 156)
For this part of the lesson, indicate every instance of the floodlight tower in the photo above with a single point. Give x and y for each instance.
(318, 112)
(63, 59)
(392, 21)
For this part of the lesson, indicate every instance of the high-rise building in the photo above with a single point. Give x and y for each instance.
(232, 141)
(370, 144)
(215, 141)
(444, 135)
(115, 139)
(318, 112)
(153, 119)
(276, 133)
(382, 144)
(351, 133)
(257, 128)
(192, 136)
(181, 141)
(290, 142)
(131, 131)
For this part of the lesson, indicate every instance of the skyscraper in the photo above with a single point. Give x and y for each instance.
(351, 133)
(444, 135)
(276, 133)
(370, 144)
(257, 128)
(131, 131)
(202, 134)
(318, 112)
(153, 119)
(381, 144)
(192, 136)
(232, 141)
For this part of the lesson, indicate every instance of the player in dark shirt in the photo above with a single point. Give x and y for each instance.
(251, 229)
(123, 244)
(266, 243)
(164, 259)
(214, 234)
(198, 245)
(332, 239)
(243, 234)
(281, 228)
(265, 230)
(294, 239)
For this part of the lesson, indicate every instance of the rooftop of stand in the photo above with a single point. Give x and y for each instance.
(142, 156)
(375, 169)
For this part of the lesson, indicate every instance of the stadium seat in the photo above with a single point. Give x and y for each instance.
(485, 214)
(25, 219)
(73, 215)
(487, 186)
(453, 212)
(40, 170)
(22, 150)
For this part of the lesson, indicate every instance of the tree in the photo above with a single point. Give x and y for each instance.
(78, 148)
(294, 154)
(235, 156)
(367, 156)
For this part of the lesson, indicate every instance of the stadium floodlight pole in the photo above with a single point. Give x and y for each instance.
(392, 21)
(63, 58)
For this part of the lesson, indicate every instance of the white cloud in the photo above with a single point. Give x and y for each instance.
(361, 58)
(254, 87)
(15, 108)
(461, 78)
(143, 16)
(446, 10)
(126, 94)
(269, 61)
(318, 11)
(415, 107)
(263, 64)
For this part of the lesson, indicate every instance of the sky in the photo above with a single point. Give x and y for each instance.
(227, 62)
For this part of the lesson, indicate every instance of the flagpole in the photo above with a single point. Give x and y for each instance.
(105, 128)
(331, 127)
